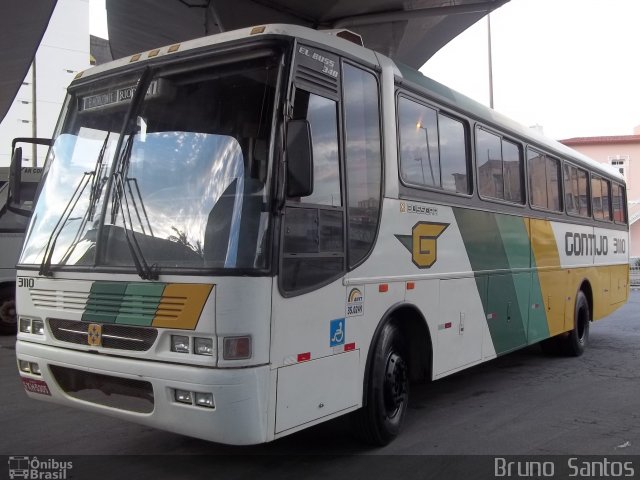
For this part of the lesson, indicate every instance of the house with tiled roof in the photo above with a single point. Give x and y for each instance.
(623, 153)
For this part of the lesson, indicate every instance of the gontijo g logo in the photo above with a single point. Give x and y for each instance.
(422, 243)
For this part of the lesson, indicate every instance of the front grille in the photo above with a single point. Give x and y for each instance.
(121, 393)
(119, 337)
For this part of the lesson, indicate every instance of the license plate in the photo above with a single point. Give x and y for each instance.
(35, 386)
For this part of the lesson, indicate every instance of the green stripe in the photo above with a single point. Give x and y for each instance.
(499, 242)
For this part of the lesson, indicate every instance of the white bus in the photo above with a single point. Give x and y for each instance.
(245, 235)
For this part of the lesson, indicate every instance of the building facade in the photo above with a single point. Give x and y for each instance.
(623, 153)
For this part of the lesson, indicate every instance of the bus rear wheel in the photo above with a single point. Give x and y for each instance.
(387, 396)
(8, 317)
(575, 343)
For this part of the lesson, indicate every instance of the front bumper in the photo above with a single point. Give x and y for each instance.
(240, 416)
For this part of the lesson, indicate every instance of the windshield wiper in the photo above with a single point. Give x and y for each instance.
(120, 202)
(96, 186)
(45, 266)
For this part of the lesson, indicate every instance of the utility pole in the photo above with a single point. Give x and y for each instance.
(34, 114)
(490, 61)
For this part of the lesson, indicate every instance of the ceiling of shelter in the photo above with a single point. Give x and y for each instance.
(410, 31)
(20, 35)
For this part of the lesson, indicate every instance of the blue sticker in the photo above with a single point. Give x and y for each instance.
(336, 332)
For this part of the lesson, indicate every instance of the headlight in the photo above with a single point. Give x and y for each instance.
(25, 325)
(204, 400)
(179, 344)
(24, 366)
(203, 346)
(182, 396)
(37, 327)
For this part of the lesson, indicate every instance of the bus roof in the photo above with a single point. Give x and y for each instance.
(405, 74)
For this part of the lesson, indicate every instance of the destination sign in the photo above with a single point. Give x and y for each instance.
(117, 96)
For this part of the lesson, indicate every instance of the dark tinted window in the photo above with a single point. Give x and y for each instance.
(513, 166)
(321, 113)
(453, 155)
(618, 203)
(544, 180)
(419, 157)
(433, 149)
(499, 167)
(596, 197)
(575, 191)
(489, 160)
(363, 159)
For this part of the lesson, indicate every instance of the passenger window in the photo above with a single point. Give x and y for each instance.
(575, 191)
(499, 167)
(544, 184)
(596, 197)
(618, 204)
(433, 148)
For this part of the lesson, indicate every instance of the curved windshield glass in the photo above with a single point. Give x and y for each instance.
(188, 188)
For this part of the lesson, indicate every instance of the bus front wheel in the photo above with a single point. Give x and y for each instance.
(387, 396)
(8, 317)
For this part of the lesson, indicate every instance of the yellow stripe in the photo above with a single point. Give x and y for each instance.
(181, 305)
(553, 280)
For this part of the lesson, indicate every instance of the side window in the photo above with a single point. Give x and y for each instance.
(544, 180)
(618, 203)
(553, 184)
(596, 197)
(433, 148)
(313, 232)
(321, 114)
(363, 159)
(600, 198)
(489, 160)
(499, 167)
(571, 189)
(575, 191)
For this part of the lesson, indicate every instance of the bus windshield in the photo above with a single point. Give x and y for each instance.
(187, 186)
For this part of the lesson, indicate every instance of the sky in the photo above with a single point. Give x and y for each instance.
(570, 66)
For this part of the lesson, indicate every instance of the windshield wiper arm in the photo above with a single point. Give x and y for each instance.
(45, 266)
(120, 203)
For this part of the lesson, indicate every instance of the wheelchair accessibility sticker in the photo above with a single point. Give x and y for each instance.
(336, 332)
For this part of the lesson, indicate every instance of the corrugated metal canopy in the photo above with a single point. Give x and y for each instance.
(411, 31)
(22, 25)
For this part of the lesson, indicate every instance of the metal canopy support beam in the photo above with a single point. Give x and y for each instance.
(405, 15)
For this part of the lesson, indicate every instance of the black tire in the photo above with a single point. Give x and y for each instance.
(8, 317)
(387, 395)
(575, 343)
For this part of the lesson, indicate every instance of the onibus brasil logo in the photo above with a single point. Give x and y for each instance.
(36, 469)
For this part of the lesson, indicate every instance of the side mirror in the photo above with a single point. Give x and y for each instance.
(299, 159)
(15, 176)
(14, 199)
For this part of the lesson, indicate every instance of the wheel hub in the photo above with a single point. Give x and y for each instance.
(395, 384)
(8, 312)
